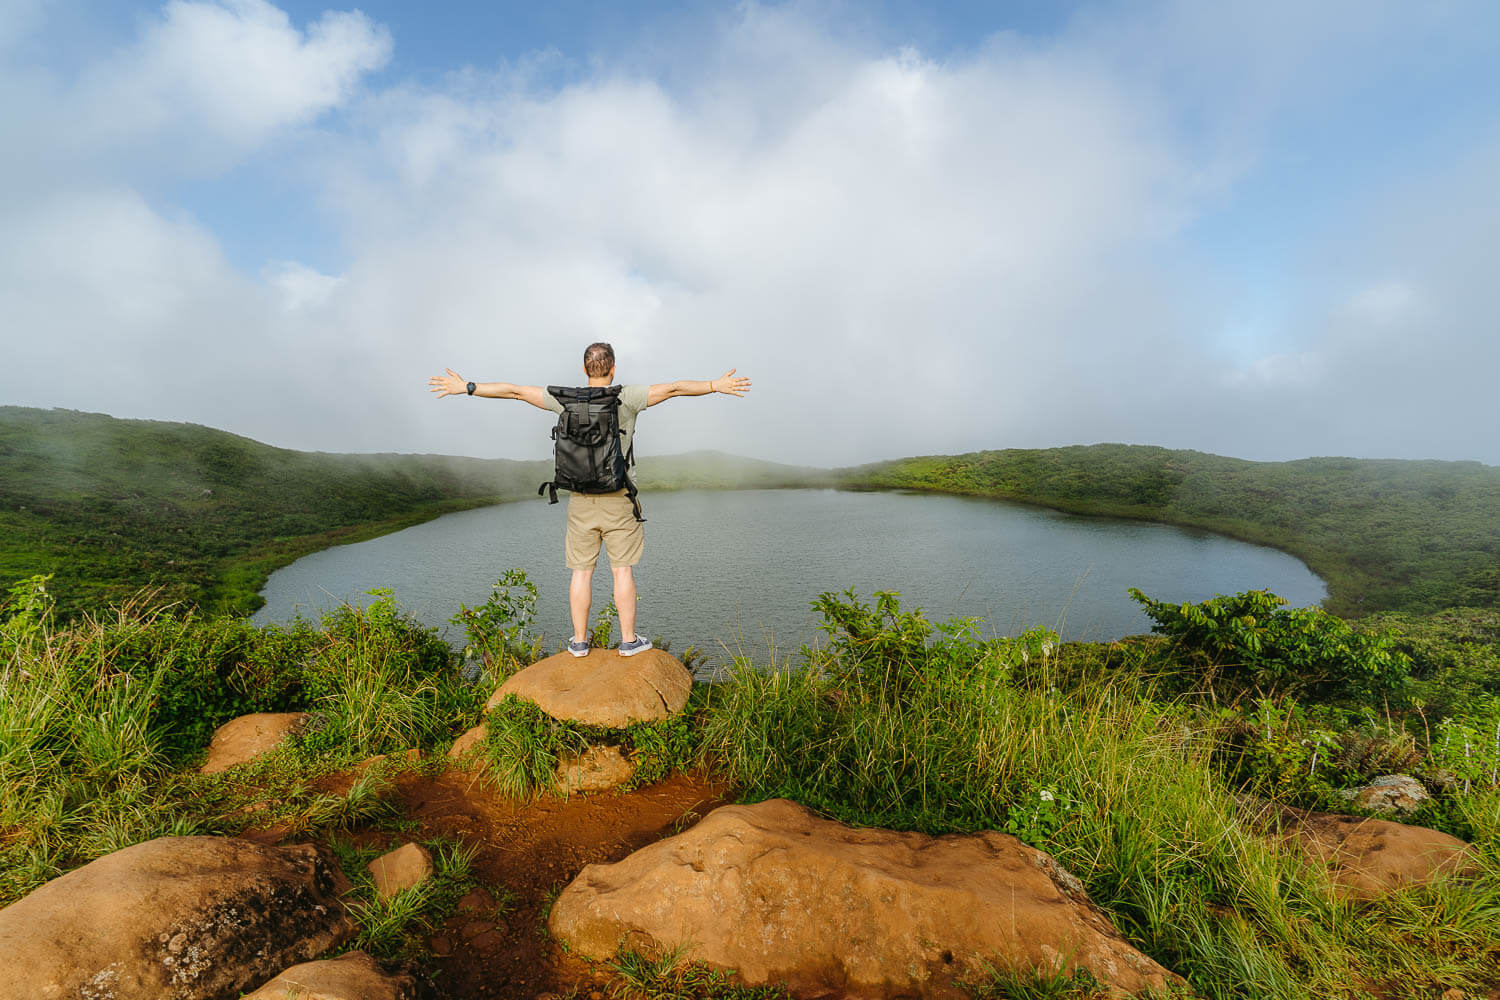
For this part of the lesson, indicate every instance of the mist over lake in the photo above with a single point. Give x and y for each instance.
(739, 569)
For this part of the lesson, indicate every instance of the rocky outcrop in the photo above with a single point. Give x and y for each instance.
(1367, 857)
(187, 918)
(355, 976)
(780, 895)
(407, 866)
(249, 736)
(597, 769)
(603, 688)
(1397, 793)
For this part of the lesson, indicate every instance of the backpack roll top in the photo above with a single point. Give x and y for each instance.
(587, 457)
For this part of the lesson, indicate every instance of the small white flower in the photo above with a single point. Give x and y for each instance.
(1045, 795)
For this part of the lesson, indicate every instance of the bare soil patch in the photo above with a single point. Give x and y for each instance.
(496, 945)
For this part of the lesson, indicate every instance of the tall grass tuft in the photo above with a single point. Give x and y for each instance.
(102, 720)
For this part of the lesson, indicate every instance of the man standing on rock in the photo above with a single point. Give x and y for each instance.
(609, 518)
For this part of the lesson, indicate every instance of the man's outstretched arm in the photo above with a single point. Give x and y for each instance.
(726, 383)
(454, 384)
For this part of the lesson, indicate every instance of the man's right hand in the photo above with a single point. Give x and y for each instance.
(451, 384)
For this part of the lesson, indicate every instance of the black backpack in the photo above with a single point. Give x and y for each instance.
(586, 444)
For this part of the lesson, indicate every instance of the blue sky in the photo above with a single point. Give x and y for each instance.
(1258, 229)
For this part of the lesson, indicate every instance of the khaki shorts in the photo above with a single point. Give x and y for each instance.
(607, 518)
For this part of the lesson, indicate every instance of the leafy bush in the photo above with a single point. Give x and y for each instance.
(1248, 642)
(497, 628)
(886, 652)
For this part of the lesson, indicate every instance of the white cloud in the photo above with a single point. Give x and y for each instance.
(1383, 305)
(907, 255)
(204, 84)
(301, 287)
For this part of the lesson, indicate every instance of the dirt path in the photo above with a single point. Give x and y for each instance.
(529, 851)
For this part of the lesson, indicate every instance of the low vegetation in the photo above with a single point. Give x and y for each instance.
(1124, 760)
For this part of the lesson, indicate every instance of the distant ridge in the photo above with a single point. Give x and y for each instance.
(1386, 534)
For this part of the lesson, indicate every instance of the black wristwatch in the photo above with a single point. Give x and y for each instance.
(471, 388)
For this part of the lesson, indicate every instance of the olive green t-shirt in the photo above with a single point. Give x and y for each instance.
(632, 402)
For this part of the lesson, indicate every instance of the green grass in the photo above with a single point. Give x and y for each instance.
(1098, 754)
(397, 927)
(524, 745)
(1385, 535)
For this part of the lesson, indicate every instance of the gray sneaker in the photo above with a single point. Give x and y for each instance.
(578, 648)
(636, 645)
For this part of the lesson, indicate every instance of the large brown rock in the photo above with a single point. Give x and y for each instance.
(1368, 857)
(355, 976)
(249, 736)
(780, 895)
(185, 918)
(603, 688)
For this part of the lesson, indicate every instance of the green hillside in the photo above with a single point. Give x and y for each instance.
(1408, 535)
(110, 506)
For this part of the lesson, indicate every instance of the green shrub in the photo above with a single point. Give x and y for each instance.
(496, 629)
(1248, 642)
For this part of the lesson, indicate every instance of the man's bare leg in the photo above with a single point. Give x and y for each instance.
(625, 600)
(580, 597)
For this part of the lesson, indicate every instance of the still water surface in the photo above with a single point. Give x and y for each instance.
(739, 569)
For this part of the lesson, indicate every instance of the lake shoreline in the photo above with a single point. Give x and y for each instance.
(1012, 565)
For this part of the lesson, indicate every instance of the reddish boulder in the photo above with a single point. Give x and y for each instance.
(190, 918)
(469, 741)
(407, 866)
(780, 895)
(597, 769)
(249, 736)
(1368, 857)
(603, 688)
